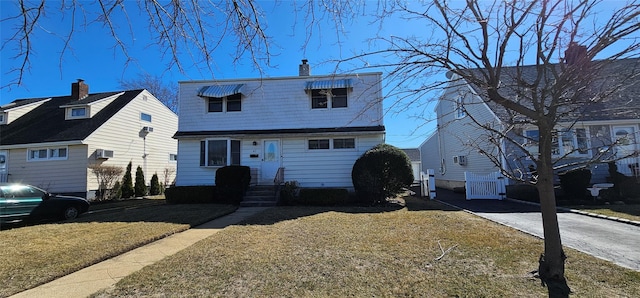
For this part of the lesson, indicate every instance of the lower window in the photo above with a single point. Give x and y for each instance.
(219, 153)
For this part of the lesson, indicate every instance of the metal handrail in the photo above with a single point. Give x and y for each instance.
(279, 179)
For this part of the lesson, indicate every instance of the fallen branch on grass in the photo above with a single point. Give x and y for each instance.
(444, 252)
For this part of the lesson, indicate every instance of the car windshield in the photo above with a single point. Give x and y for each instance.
(20, 191)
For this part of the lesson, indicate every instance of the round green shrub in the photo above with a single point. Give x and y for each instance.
(381, 172)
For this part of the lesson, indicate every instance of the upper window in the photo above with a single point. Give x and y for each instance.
(231, 103)
(145, 117)
(339, 98)
(219, 153)
(320, 98)
(76, 112)
(47, 154)
(173, 156)
(460, 111)
(2, 117)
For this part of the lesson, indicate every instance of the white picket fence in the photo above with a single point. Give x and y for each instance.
(428, 184)
(492, 186)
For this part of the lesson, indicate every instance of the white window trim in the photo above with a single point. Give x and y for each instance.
(458, 108)
(145, 120)
(69, 112)
(225, 102)
(229, 155)
(329, 96)
(48, 153)
(331, 147)
(561, 147)
(173, 157)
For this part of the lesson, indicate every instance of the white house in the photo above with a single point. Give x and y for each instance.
(308, 129)
(52, 142)
(608, 130)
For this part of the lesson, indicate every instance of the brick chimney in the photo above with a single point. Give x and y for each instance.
(79, 90)
(304, 69)
(575, 54)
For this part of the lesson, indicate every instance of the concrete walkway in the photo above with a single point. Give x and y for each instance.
(105, 274)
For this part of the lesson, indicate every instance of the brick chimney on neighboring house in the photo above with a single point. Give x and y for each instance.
(304, 69)
(575, 54)
(79, 90)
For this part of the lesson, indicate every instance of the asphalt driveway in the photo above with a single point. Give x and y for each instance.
(603, 238)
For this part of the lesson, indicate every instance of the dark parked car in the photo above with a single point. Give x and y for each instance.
(26, 202)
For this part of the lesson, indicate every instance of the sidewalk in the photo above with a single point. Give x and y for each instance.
(102, 275)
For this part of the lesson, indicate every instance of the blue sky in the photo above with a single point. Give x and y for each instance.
(92, 57)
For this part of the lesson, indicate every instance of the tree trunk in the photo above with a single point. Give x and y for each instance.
(551, 268)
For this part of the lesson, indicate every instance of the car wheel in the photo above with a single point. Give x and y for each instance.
(71, 212)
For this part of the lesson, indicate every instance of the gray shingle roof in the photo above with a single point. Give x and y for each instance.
(623, 104)
(413, 153)
(47, 123)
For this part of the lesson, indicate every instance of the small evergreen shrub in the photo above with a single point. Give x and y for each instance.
(575, 182)
(232, 182)
(323, 196)
(140, 188)
(381, 172)
(127, 183)
(288, 192)
(155, 188)
(205, 194)
(116, 191)
(523, 192)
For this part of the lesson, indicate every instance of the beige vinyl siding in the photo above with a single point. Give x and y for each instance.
(13, 114)
(282, 104)
(123, 134)
(189, 171)
(98, 106)
(56, 176)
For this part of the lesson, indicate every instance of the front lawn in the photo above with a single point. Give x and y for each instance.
(33, 255)
(630, 212)
(420, 251)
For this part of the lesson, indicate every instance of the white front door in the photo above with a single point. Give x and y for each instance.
(626, 144)
(270, 161)
(4, 166)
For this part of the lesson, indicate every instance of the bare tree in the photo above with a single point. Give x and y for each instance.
(188, 33)
(167, 93)
(106, 176)
(512, 55)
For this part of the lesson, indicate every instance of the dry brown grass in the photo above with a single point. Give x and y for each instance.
(366, 252)
(630, 212)
(33, 255)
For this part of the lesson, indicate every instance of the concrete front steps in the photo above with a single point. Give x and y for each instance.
(260, 196)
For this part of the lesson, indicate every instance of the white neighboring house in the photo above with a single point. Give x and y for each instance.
(51, 142)
(613, 122)
(310, 129)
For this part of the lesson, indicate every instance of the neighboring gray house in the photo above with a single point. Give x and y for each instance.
(591, 134)
(416, 163)
(306, 128)
(51, 142)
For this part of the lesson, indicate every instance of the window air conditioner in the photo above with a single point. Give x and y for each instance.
(101, 153)
(147, 129)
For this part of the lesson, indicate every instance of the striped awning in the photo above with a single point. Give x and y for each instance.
(220, 90)
(329, 84)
